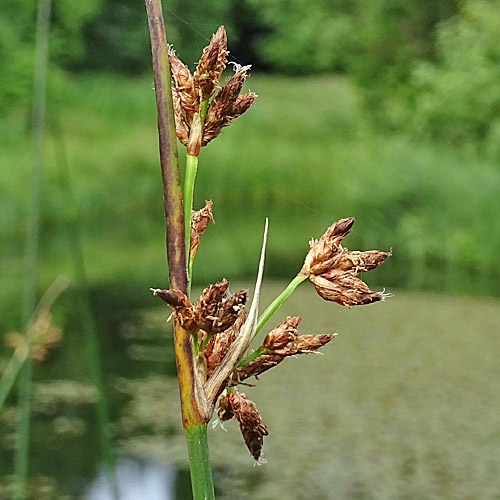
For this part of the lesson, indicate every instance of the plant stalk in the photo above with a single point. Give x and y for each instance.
(276, 303)
(197, 443)
(10, 374)
(189, 179)
(21, 458)
(196, 410)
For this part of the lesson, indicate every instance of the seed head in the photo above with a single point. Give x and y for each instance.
(251, 425)
(282, 341)
(42, 336)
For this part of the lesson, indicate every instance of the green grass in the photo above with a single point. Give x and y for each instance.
(304, 155)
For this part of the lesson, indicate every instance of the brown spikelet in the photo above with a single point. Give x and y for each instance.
(322, 252)
(281, 342)
(184, 85)
(251, 425)
(344, 288)
(214, 311)
(219, 344)
(359, 261)
(183, 309)
(257, 366)
(211, 64)
(199, 222)
(227, 105)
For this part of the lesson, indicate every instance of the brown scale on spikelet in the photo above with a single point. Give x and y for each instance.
(211, 64)
(219, 344)
(224, 411)
(333, 269)
(199, 222)
(251, 425)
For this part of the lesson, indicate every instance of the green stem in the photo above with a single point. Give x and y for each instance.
(206, 340)
(199, 460)
(10, 374)
(188, 191)
(203, 110)
(21, 458)
(252, 356)
(266, 315)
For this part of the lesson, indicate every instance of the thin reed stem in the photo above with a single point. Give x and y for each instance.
(10, 374)
(21, 458)
(188, 192)
(195, 407)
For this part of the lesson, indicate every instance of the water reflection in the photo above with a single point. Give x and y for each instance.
(136, 480)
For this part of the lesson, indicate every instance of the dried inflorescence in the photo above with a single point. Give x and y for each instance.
(333, 269)
(252, 427)
(191, 90)
(214, 312)
(222, 330)
(282, 341)
(42, 336)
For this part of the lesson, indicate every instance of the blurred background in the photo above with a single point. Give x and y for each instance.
(384, 110)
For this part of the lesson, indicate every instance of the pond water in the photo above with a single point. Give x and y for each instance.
(404, 404)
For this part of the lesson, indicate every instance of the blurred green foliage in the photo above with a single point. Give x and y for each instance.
(457, 97)
(430, 67)
(407, 139)
(304, 155)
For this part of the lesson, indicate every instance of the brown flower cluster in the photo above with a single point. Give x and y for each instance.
(236, 404)
(191, 90)
(281, 342)
(214, 312)
(42, 336)
(333, 269)
(218, 318)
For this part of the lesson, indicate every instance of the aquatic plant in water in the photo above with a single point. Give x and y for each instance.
(212, 334)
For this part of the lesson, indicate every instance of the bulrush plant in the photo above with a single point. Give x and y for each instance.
(212, 334)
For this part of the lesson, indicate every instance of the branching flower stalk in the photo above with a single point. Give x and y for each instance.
(212, 335)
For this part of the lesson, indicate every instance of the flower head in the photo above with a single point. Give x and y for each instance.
(191, 90)
(333, 269)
